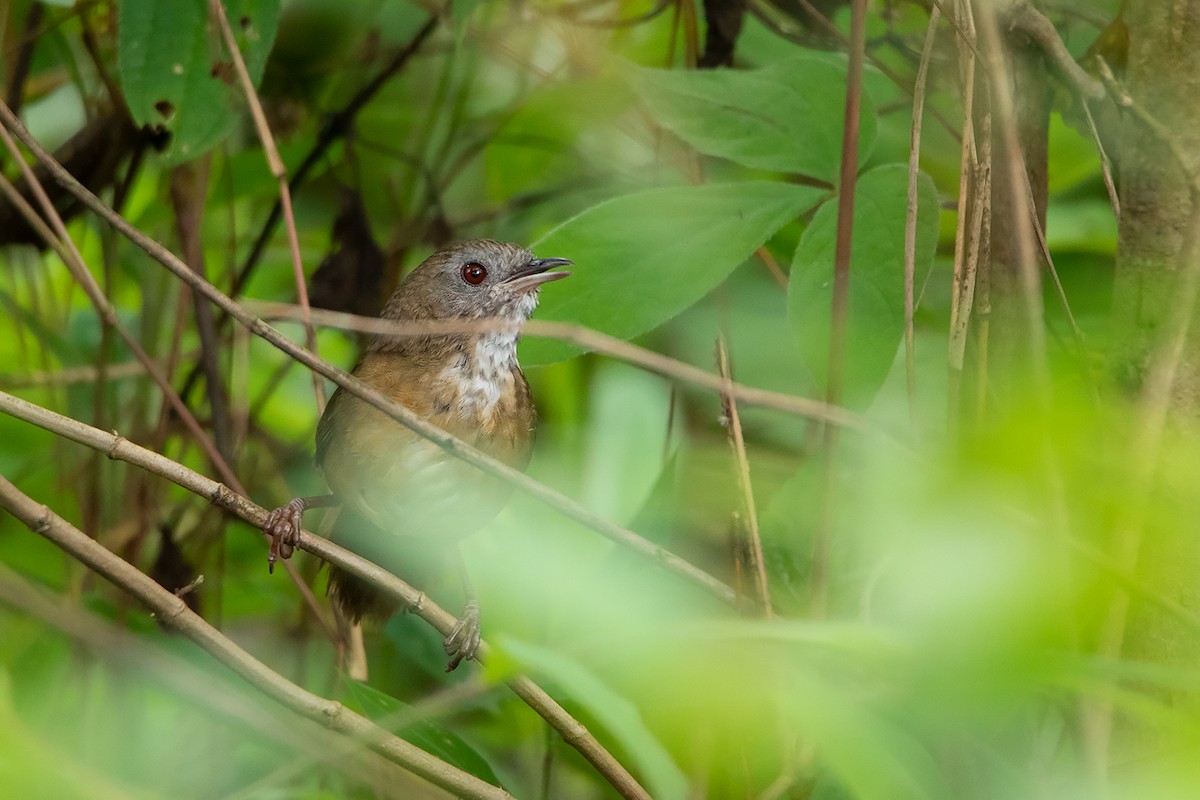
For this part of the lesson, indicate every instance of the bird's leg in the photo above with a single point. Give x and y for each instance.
(463, 641)
(283, 525)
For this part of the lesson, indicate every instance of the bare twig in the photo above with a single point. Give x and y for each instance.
(737, 444)
(1038, 27)
(82, 374)
(583, 337)
(974, 189)
(336, 126)
(768, 259)
(910, 218)
(189, 184)
(1105, 164)
(279, 171)
(847, 179)
(405, 596)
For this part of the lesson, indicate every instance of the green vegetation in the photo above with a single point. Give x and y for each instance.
(980, 559)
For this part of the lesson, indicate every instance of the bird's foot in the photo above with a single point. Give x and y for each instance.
(463, 641)
(283, 526)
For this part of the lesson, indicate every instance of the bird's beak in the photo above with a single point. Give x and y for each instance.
(536, 273)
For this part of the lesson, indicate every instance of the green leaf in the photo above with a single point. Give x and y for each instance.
(875, 314)
(431, 738)
(619, 716)
(625, 440)
(644, 257)
(165, 62)
(785, 117)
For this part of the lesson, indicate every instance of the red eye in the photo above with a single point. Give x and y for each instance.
(474, 274)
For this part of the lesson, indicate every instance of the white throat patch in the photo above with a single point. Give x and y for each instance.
(486, 373)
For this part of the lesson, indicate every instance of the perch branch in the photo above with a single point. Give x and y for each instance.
(119, 448)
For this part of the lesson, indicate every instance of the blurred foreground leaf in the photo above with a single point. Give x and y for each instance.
(393, 715)
(31, 767)
(619, 716)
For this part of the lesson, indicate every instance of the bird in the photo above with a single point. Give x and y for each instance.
(395, 487)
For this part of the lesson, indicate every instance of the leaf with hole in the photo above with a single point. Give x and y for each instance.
(165, 65)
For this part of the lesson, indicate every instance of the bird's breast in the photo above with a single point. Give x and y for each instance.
(405, 483)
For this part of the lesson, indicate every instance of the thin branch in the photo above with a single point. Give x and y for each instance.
(279, 171)
(1038, 27)
(81, 374)
(172, 611)
(412, 600)
(847, 180)
(197, 685)
(188, 187)
(586, 338)
(974, 191)
(768, 259)
(910, 219)
(737, 443)
(336, 126)
(1105, 163)
(62, 244)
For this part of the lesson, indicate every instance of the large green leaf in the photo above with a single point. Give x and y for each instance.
(441, 742)
(786, 117)
(875, 319)
(166, 66)
(642, 258)
(618, 715)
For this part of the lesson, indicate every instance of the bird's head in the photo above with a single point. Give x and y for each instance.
(475, 280)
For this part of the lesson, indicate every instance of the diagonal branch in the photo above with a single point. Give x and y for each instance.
(119, 448)
(588, 339)
(172, 611)
(217, 11)
(196, 685)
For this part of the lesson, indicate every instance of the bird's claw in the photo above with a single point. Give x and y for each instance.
(283, 526)
(463, 641)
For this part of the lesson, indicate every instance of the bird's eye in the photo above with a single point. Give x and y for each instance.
(474, 274)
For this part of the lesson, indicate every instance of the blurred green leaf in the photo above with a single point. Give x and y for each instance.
(33, 768)
(785, 117)
(619, 716)
(875, 315)
(445, 744)
(166, 66)
(642, 258)
(626, 440)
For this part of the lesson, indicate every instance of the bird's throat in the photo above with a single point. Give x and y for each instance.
(484, 373)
